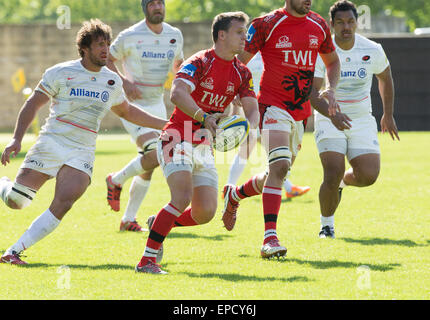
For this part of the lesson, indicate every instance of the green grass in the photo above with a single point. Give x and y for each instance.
(385, 228)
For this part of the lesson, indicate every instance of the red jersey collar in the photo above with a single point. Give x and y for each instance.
(289, 15)
(221, 59)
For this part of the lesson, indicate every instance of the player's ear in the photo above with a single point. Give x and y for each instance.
(222, 34)
(84, 51)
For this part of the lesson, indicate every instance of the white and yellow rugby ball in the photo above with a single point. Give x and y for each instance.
(233, 131)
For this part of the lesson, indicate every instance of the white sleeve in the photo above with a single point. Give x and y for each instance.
(117, 47)
(180, 51)
(319, 68)
(381, 61)
(50, 82)
(119, 94)
(119, 98)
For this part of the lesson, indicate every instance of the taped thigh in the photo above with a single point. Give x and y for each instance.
(149, 145)
(21, 195)
(280, 154)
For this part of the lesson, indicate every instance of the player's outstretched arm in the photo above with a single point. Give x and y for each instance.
(137, 116)
(25, 118)
(386, 90)
(340, 120)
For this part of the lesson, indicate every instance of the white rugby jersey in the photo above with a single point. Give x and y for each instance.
(256, 67)
(148, 57)
(358, 65)
(80, 100)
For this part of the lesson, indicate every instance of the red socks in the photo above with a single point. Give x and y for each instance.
(161, 227)
(248, 189)
(271, 205)
(185, 220)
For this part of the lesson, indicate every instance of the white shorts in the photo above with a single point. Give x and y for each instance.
(362, 138)
(135, 131)
(48, 155)
(199, 160)
(275, 118)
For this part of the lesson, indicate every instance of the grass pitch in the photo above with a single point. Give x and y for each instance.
(382, 249)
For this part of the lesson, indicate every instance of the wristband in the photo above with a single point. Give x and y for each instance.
(194, 116)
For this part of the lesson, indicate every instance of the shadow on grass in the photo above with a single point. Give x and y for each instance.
(342, 264)
(333, 263)
(301, 200)
(80, 266)
(235, 277)
(385, 241)
(180, 235)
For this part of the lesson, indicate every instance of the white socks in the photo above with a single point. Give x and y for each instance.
(40, 228)
(327, 221)
(236, 169)
(342, 184)
(5, 185)
(288, 185)
(133, 168)
(138, 189)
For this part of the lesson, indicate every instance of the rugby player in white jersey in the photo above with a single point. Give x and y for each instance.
(256, 67)
(82, 92)
(357, 137)
(147, 51)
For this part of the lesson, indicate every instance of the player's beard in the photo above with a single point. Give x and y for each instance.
(299, 9)
(155, 19)
(95, 61)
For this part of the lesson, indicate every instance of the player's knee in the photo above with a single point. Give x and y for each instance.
(19, 196)
(62, 207)
(182, 199)
(333, 177)
(367, 178)
(204, 214)
(149, 160)
(63, 203)
(280, 161)
(279, 169)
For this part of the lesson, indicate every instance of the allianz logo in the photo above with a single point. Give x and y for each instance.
(346, 74)
(150, 54)
(158, 55)
(361, 73)
(104, 96)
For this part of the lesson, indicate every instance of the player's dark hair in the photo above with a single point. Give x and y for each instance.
(90, 31)
(343, 5)
(222, 22)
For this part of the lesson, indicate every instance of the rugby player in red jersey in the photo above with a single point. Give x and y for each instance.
(289, 40)
(204, 86)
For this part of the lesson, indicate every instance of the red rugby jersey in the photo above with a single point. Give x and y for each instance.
(289, 47)
(215, 83)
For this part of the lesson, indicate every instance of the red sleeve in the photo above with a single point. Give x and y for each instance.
(256, 35)
(246, 88)
(327, 46)
(192, 69)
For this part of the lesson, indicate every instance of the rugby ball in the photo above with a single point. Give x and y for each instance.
(232, 131)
